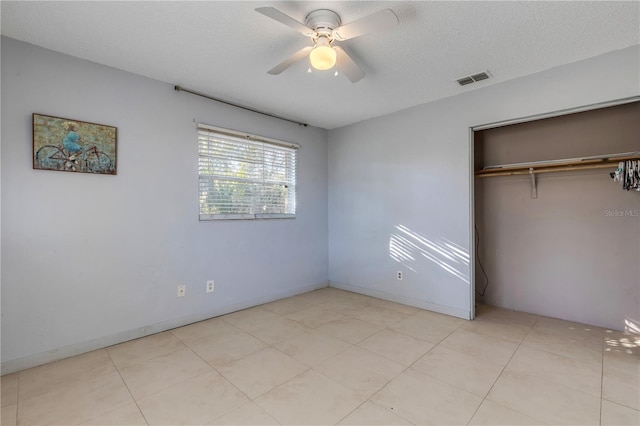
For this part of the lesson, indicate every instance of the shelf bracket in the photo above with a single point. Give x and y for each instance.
(534, 188)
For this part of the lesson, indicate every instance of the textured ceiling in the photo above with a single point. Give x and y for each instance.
(224, 49)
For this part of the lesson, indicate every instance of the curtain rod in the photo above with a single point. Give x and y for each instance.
(182, 89)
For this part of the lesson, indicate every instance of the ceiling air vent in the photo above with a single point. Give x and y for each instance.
(465, 81)
(473, 78)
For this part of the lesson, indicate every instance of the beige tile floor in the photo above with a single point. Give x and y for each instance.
(335, 357)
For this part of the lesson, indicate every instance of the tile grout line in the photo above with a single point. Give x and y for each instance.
(439, 343)
(311, 368)
(18, 397)
(400, 373)
(484, 398)
(231, 383)
(368, 399)
(144, 337)
(274, 388)
(127, 386)
(352, 345)
(556, 353)
(564, 356)
(248, 398)
(380, 390)
(269, 345)
(186, 347)
(219, 373)
(522, 344)
(545, 380)
(602, 377)
(386, 357)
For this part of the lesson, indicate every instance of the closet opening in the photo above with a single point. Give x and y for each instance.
(556, 214)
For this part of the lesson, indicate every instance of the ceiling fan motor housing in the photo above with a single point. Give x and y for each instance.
(324, 26)
(323, 21)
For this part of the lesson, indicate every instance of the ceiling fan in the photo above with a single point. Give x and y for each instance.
(324, 28)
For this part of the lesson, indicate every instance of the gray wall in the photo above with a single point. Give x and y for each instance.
(400, 186)
(90, 260)
(573, 252)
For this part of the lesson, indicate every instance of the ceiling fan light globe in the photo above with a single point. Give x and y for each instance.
(322, 57)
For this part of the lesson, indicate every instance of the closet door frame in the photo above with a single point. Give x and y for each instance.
(472, 191)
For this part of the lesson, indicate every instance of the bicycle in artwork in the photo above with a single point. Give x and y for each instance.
(73, 146)
(90, 160)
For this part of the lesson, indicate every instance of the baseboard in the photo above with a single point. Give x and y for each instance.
(35, 360)
(441, 309)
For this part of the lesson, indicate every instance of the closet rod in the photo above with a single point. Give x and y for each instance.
(526, 171)
(587, 163)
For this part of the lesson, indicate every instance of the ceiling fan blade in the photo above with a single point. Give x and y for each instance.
(287, 20)
(290, 60)
(376, 22)
(346, 65)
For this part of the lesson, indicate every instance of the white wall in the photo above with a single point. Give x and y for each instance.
(405, 179)
(90, 260)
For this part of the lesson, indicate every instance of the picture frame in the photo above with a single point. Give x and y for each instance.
(69, 145)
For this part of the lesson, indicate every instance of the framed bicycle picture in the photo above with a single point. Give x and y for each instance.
(69, 145)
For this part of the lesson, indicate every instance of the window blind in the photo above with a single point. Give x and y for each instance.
(244, 177)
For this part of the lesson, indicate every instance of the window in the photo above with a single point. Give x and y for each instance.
(244, 176)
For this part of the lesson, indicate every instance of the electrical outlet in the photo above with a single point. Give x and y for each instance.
(210, 286)
(181, 290)
(399, 275)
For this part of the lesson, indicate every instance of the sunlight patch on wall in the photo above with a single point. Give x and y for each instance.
(631, 326)
(409, 248)
(625, 342)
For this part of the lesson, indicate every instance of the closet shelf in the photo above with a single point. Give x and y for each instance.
(564, 165)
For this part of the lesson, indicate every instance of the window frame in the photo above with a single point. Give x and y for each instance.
(229, 136)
